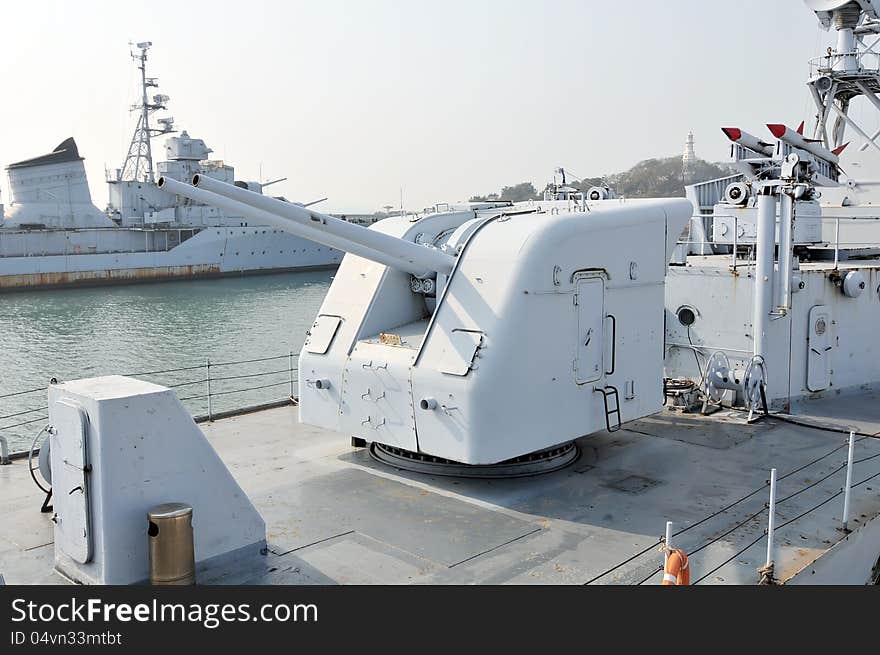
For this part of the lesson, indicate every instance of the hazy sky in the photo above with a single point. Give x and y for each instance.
(445, 98)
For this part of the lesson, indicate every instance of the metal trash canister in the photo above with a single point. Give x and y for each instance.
(172, 554)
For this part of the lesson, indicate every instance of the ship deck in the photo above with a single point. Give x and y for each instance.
(334, 515)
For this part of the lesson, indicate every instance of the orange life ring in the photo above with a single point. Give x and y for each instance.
(677, 571)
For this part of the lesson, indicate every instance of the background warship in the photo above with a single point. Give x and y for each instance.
(52, 234)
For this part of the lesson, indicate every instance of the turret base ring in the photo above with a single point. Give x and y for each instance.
(537, 463)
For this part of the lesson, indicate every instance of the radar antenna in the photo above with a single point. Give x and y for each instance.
(138, 164)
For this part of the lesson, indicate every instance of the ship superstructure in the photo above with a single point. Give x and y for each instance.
(782, 279)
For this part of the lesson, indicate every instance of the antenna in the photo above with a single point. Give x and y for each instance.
(138, 165)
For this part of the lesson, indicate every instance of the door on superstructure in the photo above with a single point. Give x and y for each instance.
(69, 453)
(589, 300)
(819, 348)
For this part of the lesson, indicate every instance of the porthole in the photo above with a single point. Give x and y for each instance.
(687, 316)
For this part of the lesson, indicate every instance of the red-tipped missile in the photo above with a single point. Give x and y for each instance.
(748, 141)
(795, 140)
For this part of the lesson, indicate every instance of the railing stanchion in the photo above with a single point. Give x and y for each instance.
(290, 367)
(848, 489)
(735, 239)
(667, 541)
(208, 383)
(771, 523)
(836, 242)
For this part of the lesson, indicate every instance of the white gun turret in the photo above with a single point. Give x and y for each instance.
(470, 313)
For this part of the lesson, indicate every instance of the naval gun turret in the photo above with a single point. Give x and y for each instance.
(478, 336)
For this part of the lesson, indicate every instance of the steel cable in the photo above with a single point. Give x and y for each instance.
(738, 501)
(782, 525)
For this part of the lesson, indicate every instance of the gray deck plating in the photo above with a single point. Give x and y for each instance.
(334, 515)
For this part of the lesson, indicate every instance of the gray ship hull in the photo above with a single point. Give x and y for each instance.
(43, 259)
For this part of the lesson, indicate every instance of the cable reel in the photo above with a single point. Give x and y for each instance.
(751, 382)
(719, 377)
(41, 450)
(754, 384)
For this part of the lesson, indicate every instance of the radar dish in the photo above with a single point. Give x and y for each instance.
(825, 8)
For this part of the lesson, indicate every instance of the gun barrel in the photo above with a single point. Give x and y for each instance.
(306, 232)
(421, 260)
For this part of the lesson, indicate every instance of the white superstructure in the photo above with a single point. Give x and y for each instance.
(51, 191)
(783, 277)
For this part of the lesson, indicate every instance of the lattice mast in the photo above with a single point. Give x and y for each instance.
(849, 70)
(138, 164)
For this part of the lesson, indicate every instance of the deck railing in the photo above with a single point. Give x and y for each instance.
(209, 390)
(830, 238)
(866, 61)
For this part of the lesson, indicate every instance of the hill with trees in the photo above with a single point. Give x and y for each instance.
(651, 178)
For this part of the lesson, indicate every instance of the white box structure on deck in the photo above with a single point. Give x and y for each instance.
(540, 314)
(119, 447)
(728, 219)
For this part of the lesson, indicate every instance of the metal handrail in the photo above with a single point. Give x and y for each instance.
(867, 62)
(214, 386)
(832, 242)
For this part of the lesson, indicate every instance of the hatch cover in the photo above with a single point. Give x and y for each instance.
(321, 334)
(459, 353)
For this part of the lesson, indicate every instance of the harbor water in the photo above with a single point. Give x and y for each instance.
(246, 327)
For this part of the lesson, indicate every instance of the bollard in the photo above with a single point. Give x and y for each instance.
(172, 553)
